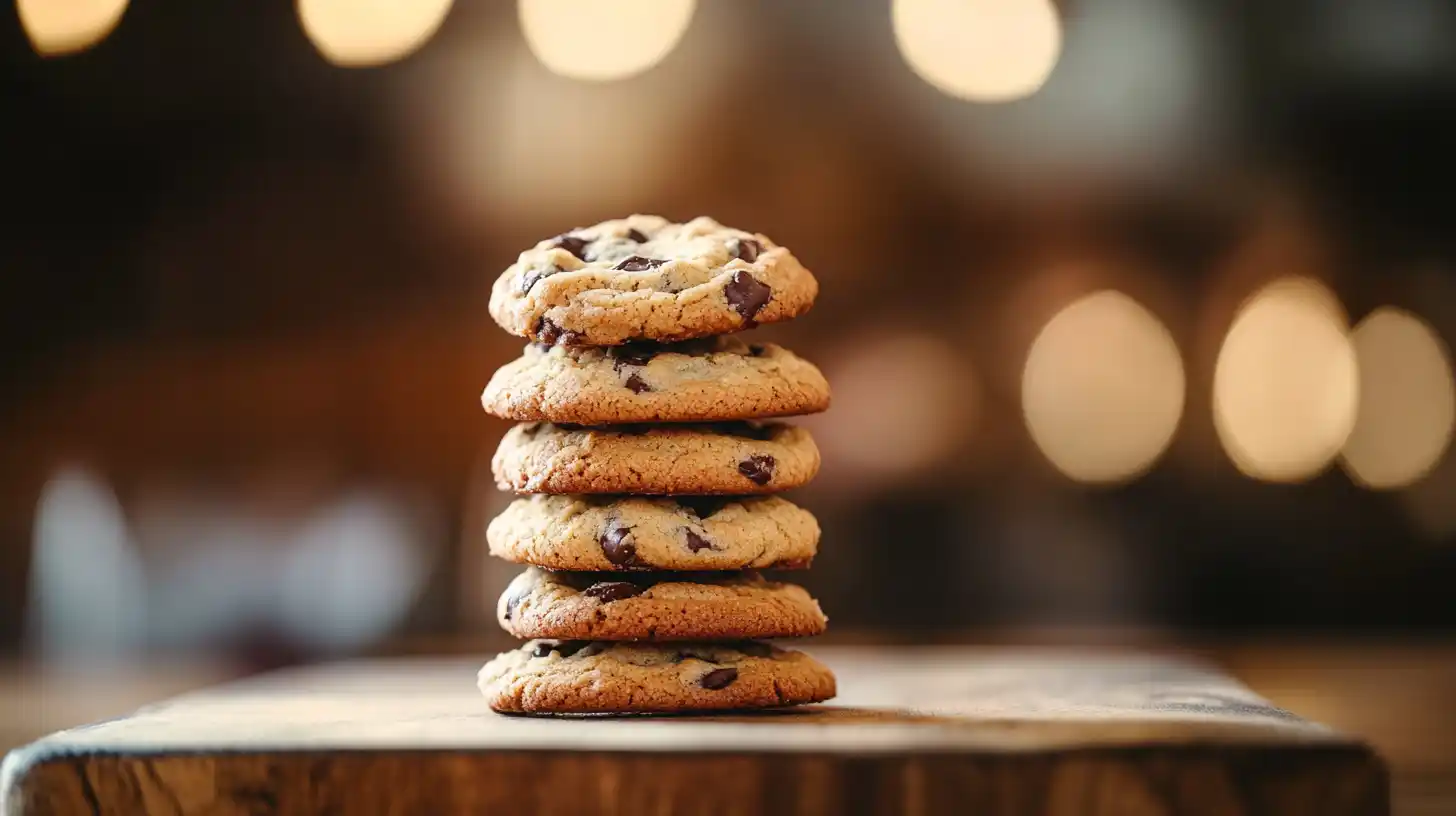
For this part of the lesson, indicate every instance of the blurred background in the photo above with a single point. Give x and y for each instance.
(1137, 312)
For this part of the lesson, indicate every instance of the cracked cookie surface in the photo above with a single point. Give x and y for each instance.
(596, 533)
(646, 278)
(711, 379)
(602, 677)
(723, 458)
(656, 606)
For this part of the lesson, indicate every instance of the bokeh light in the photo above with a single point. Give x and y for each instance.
(1103, 388)
(591, 40)
(358, 33)
(1407, 400)
(913, 389)
(57, 27)
(981, 50)
(1285, 384)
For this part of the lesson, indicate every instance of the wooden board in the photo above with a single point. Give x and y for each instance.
(914, 731)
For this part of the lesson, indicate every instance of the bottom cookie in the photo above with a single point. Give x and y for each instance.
(600, 677)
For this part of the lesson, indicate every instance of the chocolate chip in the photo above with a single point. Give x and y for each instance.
(718, 679)
(513, 602)
(758, 468)
(576, 246)
(747, 249)
(637, 263)
(754, 648)
(703, 506)
(757, 349)
(746, 294)
(697, 543)
(636, 384)
(608, 591)
(551, 334)
(529, 277)
(635, 235)
(617, 548)
(634, 354)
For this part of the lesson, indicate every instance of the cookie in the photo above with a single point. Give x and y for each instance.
(721, 458)
(702, 380)
(597, 533)
(655, 606)
(601, 677)
(645, 278)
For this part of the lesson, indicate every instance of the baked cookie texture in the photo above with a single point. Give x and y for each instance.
(725, 458)
(600, 533)
(703, 380)
(592, 677)
(656, 606)
(646, 278)
(645, 460)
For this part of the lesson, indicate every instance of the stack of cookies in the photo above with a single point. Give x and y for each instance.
(647, 472)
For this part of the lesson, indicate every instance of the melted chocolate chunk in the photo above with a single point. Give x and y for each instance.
(608, 591)
(638, 353)
(571, 243)
(697, 543)
(747, 294)
(703, 506)
(747, 249)
(617, 548)
(551, 334)
(637, 263)
(529, 278)
(757, 349)
(636, 384)
(754, 648)
(758, 468)
(513, 602)
(635, 235)
(718, 679)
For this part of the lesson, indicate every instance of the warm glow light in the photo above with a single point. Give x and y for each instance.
(58, 27)
(982, 50)
(357, 33)
(595, 40)
(1285, 384)
(1103, 389)
(1407, 400)
(913, 389)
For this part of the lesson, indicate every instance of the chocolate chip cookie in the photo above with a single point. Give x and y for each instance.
(702, 380)
(598, 533)
(645, 278)
(728, 458)
(655, 606)
(597, 677)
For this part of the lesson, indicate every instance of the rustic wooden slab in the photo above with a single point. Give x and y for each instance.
(913, 731)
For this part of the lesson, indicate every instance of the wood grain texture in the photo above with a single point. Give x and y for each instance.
(991, 733)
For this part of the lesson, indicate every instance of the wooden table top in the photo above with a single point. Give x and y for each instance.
(1013, 730)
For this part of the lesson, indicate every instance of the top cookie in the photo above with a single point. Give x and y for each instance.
(704, 380)
(646, 278)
